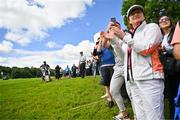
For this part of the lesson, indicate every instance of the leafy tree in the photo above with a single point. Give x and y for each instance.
(16, 73)
(52, 73)
(155, 8)
(35, 72)
(6, 71)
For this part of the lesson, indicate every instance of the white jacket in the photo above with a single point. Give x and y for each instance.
(144, 56)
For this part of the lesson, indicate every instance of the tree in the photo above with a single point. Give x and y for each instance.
(16, 73)
(155, 8)
(6, 71)
(35, 72)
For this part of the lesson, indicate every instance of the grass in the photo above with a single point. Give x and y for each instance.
(66, 99)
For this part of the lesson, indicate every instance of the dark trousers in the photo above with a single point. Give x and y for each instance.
(74, 74)
(171, 88)
(82, 70)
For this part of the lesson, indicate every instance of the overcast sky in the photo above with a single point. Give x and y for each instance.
(32, 31)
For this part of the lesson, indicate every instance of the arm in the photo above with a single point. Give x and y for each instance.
(94, 53)
(151, 41)
(99, 46)
(176, 41)
(176, 51)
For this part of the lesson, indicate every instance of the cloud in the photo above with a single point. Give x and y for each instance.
(3, 60)
(26, 22)
(68, 55)
(6, 47)
(52, 44)
(19, 38)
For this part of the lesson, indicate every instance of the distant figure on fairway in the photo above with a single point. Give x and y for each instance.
(82, 64)
(61, 72)
(45, 70)
(67, 72)
(57, 72)
(73, 69)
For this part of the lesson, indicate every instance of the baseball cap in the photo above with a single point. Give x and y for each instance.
(134, 7)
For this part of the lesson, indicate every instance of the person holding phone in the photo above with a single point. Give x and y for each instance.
(113, 43)
(106, 68)
(142, 65)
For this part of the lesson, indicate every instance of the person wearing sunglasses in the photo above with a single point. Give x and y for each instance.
(167, 29)
(168, 60)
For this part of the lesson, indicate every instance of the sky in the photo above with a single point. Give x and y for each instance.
(55, 31)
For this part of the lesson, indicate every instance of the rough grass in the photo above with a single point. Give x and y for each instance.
(66, 99)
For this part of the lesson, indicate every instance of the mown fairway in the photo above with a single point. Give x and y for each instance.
(66, 99)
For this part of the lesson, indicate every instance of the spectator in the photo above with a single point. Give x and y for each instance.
(167, 58)
(112, 42)
(61, 72)
(88, 67)
(176, 44)
(143, 68)
(73, 69)
(94, 67)
(96, 58)
(67, 72)
(107, 60)
(82, 64)
(57, 72)
(45, 70)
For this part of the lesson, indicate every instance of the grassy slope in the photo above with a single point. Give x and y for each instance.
(64, 99)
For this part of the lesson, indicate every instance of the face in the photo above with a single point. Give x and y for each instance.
(164, 22)
(136, 16)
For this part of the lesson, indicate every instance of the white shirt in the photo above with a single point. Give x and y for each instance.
(82, 59)
(165, 41)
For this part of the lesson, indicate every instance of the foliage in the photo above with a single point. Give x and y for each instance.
(21, 73)
(66, 99)
(155, 8)
(25, 72)
(5, 71)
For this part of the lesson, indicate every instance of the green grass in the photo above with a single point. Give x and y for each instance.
(67, 99)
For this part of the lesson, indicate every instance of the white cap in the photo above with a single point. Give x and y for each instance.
(96, 36)
(134, 7)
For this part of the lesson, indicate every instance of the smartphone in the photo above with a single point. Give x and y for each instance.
(113, 19)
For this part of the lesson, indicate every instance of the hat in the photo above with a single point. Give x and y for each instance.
(96, 36)
(134, 7)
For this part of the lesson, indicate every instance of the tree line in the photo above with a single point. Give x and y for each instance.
(26, 72)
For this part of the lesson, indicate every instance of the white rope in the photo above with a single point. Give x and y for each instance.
(85, 105)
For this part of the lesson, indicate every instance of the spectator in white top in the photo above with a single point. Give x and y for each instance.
(82, 64)
(143, 68)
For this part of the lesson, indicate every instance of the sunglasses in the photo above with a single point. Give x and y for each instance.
(164, 20)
